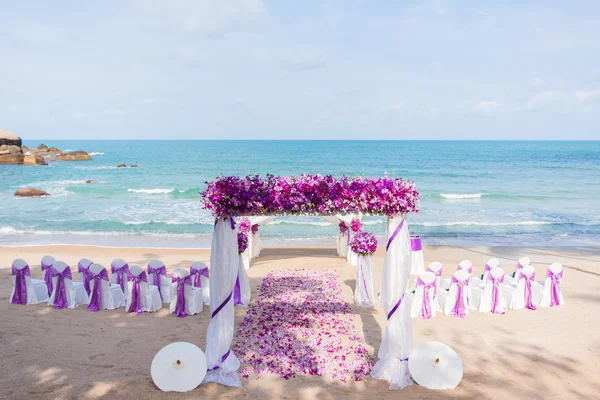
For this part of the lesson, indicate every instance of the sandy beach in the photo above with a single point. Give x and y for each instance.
(542, 354)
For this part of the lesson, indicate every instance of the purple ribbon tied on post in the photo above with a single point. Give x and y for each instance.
(156, 273)
(459, 309)
(555, 280)
(20, 296)
(197, 274)
(95, 300)
(396, 232)
(496, 309)
(528, 289)
(136, 304)
(180, 305)
(47, 277)
(60, 297)
(425, 312)
(124, 269)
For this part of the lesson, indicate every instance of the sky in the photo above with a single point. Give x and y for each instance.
(259, 69)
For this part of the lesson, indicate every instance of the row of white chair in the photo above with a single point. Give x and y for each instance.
(492, 292)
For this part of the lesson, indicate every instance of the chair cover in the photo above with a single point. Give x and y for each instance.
(418, 262)
(522, 296)
(397, 342)
(46, 263)
(436, 268)
(241, 292)
(140, 295)
(65, 292)
(468, 266)
(552, 295)
(514, 279)
(185, 298)
(24, 290)
(103, 295)
(157, 276)
(423, 305)
(492, 299)
(118, 269)
(491, 264)
(363, 293)
(84, 274)
(457, 301)
(200, 279)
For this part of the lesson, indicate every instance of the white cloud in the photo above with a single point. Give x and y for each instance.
(585, 95)
(537, 83)
(487, 106)
(549, 98)
(304, 58)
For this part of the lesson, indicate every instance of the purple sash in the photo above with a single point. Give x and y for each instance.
(396, 232)
(426, 301)
(157, 272)
(86, 275)
(237, 296)
(47, 277)
(95, 301)
(136, 297)
(469, 270)
(518, 271)
(435, 272)
(415, 244)
(60, 296)
(20, 296)
(119, 271)
(528, 290)
(459, 309)
(555, 287)
(196, 273)
(393, 310)
(180, 305)
(496, 309)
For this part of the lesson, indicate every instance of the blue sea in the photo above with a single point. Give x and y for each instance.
(531, 193)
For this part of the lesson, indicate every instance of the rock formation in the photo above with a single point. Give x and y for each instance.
(31, 192)
(121, 166)
(10, 148)
(73, 156)
(34, 160)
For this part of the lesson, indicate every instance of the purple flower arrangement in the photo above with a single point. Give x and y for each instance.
(363, 243)
(309, 195)
(242, 241)
(254, 229)
(343, 227)
(355, 225)
(245, 225)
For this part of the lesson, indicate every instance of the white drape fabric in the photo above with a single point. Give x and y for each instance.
(397, 340)
(364, 294)
(418, 263)
(254, 240)
(244, 284)
(224, 266)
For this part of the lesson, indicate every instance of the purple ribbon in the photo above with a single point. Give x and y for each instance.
(437, 272)
(124, 269)
(528, 290)
(222, 305)
(60, 296)
(496, 309)
(459, 309)
(136, 296)
(426, 301)
(197, 273)
(180, 305)
(517, 271)
(555, 287)
(47, 277)
(95, 301)
(20, 296)
(469, 270)
(86, 276)
(415, 244)
(393, 310)
(157, 272)
(391, 239)
(237, 295)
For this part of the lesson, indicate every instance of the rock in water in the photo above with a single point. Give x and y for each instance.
(34, 160)
(89, 181)
(31, 192)
(9, 139)
(74, 156)
(54, 150)
(121, 166)
(10, 148)
(42, 147)
(133, 166)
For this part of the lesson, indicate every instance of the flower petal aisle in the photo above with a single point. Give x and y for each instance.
(301, 325)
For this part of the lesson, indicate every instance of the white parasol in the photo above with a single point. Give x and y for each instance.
(178, 367)
(436, 366)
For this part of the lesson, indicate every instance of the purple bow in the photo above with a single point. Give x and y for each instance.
(496, 309)
(196, 273)
(47, 277)
(86, 276)
(528, 290)
(20, 296)
(415, 244)
(555, 287)
(60, 296)
(95, 301)
(469, 270)
(156, 273)
(180, 305)
(426, 301)
(136, 297)
(518, 271)
(435, 272)
(120, 271)
(459, 309)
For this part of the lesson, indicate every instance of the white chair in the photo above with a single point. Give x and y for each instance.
(65, 292)
(522, 296)
(26, 290)
(183, 288)
(457, 301)
(424, 301)
(436, 268)
(157, 276)
(514, 278)
(552, 294)
(103, 295)
(84, 274)
(200, 278)
(466, 265)
(491, 299)
(491, 264)
(46, 263)
(140, 295)
(118, 269)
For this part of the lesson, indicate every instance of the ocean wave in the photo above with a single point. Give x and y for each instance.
(7, 230)
(312, 223)
(475, 223)
(97, 153)
(374, 222)
(454, 196)
(151, 191)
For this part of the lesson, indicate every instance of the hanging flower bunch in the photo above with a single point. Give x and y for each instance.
(309, 195)
(363, 243)
(242, 241)
(254, 229)
(245, 226)
(355, 225)
(343, 227)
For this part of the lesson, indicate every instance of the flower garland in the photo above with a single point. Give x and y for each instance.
(245, 225)
(343, 227)
(309, 195)
(355, 225)
(363, 243)
(242, 241)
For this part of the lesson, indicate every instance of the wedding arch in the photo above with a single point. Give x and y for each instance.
(229, 197)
